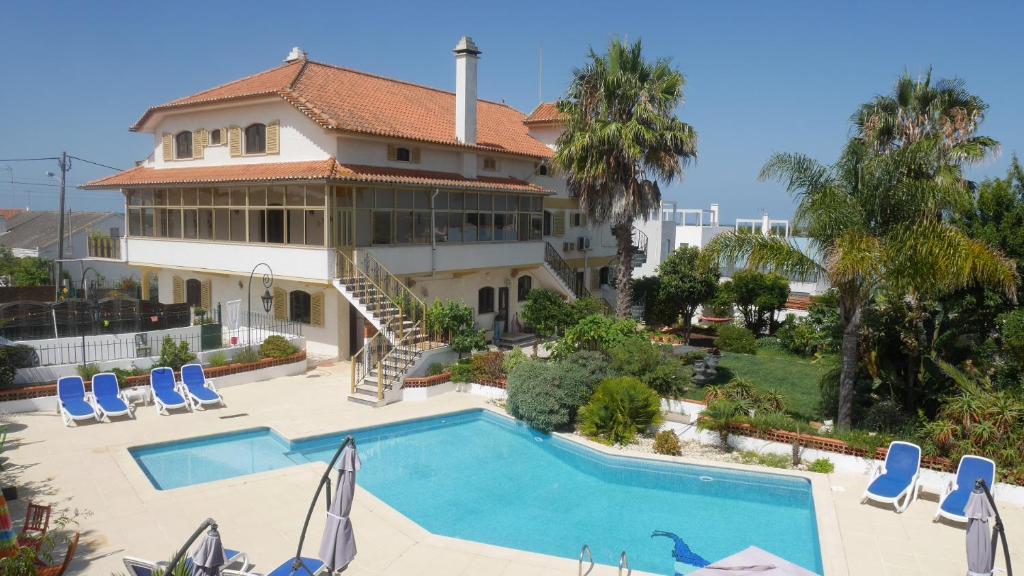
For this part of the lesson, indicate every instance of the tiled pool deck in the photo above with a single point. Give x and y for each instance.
(89, 468)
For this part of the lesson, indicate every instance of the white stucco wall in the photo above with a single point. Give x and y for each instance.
(416, 259)
(301, 138)
(302, 262)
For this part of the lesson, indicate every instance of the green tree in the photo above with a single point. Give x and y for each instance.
(546, 313)
(24, 271)
(454, 320)
(684, 284)
(759, 298)
(997, 214)
(622, 138)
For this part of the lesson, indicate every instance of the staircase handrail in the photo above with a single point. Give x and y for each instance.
(639, 239)
(564, 272)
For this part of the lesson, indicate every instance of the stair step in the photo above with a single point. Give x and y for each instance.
(374, 403)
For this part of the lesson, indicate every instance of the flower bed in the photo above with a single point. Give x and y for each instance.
(46, 390)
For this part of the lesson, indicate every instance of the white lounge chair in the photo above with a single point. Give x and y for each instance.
(106, 391)
(165, 391)
(896, 479)
(74, 402)
(201, 392)
(954, 497)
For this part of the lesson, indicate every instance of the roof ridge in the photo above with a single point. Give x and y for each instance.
(407, 83)
(236, 81)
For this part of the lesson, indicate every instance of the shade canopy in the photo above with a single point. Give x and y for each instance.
(209, 555)
(753, 562)
(338, 546)
(981, 549)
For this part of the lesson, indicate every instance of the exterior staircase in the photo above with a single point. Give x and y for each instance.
(379, 368)
(561, 270)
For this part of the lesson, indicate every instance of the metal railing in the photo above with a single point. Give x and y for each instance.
(25, 320)
(370, 359)
(624, 564)
(585, 552)
(564, 272)
(105, 247)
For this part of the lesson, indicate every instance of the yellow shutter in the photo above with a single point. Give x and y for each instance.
(206, 295)
(316, 309)
(179, 290)
(415, 155)
(558, 222)
(235, 141)
(198, 143)
(392, 152)
(144, 284)
(280, 304)
(274, 137)
(168, 147)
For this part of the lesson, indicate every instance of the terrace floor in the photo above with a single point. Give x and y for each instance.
(89, 469)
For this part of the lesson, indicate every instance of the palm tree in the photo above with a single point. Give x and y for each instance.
(621, 139)
(873, 221)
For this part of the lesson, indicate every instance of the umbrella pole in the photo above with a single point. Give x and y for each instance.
(208, 523)
(325, 479)
(999, 528)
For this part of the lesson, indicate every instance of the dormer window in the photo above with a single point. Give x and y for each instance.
(490, 164)
(403, 154)
(256, 139)
(183, 145)
(216, 137)
(543, 170)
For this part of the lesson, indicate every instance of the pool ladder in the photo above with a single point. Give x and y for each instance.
(585, 553)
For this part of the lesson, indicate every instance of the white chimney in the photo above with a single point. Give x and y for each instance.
(714, 214)
(466, 56)
(296, 54)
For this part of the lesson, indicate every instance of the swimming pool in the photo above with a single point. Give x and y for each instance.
(483, 477)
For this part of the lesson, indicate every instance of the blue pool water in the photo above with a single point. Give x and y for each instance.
(479, 476)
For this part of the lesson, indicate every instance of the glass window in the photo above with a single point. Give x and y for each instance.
(160, 197)
(174, 197)
(504, 226)
(486, 204)
(421, 227)
(524, 285)
(215, 137)
(188, 197)
(455, 227)
(295, 196)
(221, 226)
(441, 227)
(238, 196)
(205, 224)
(485, 232)
(314, 195)
(485, 300)
(382, 226)
(403, 155)
(422, 199)
(524, 203)
(275, 196)
(343, 197)
(314, 227)
(256, 139)
(194, 292)
(456, 201)
(500, 205)
(469, 231)
(205, 197)
(257, 196)
(298, 306)
(174, 223)
(134, 197)
(183, 145)
(364, 227)
(523, 226)
(364, 198)
(296, 227)
(405, 199)
(257, 225)
(441, 201)
(161, 223)
(147, 198)
(237, 233)
(471, 203)
(147, 221)
(134, 222)
(403, 227)
(537, 203)
(385, 198)
(536, 227)
(221, 197)
(190, 226)
(275, 226)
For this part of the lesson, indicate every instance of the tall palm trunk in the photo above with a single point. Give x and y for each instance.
(624, 281)
(850, 316)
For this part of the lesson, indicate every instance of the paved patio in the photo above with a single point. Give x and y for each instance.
(89, 469)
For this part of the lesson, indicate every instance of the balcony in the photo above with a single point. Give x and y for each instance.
(420, 258)
(105, 247)
(313, 263)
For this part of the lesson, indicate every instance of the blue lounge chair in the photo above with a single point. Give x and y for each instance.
(140, 567)
(74, 402)
(896, 479)
(954, 499)
(200, 391)
(309, 566)
(165, 390)
(109, 399)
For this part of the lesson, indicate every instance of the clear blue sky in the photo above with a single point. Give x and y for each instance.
(761, 76)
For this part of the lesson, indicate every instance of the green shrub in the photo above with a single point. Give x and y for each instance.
(219, 358)
(666, 442)
(436, 368)
(12, 358)
(748, 397)
(620, 409)
(886, 416)
(546, 312)
(277, 347)
(462, 372)
(719, 416)
(454, 320)
(513, 358)
(591, 362)
(124, 373)
(767, 459)
(689, 358)
(174, 355)
(87, 371)
(488, 366)
(586, 306)
(822, 465)
(801, 337)
(736, 339)
(596, 332)
(467, 341)
(548, 395)
(247, 355)
(770, 343)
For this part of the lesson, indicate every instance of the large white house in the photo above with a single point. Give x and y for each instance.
(368, 197)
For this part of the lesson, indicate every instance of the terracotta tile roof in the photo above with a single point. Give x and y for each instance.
(8, 213)
(351, 101)
(327, 170)
(544, 113)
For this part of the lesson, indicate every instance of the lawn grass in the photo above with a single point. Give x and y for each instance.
(794, 377)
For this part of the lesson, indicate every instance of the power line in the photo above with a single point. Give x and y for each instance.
(91, 162)
(31, 159)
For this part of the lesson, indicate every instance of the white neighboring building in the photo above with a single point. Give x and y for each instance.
(673, 227)
(332, 176)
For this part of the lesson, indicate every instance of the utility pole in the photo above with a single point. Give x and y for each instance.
(64, 165)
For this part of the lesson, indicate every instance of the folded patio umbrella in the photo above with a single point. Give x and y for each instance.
(981, 550)
(753, 562)
(8, 537)
(338, 546)
(209, 556)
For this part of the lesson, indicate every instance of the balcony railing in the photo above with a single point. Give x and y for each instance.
(105, 247)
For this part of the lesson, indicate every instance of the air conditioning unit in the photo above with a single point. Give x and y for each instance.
(583, 243)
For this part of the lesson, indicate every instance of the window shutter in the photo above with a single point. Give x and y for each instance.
(558, 223)
(206, 295)
(583, 218)
(235, 141)
(392, 152)
(415, 155)
(198, 143)
(274, 137)
(316, 309)
(168, 147)
(179, 290)
(595, 278)
(280, 304)
(144, 284)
